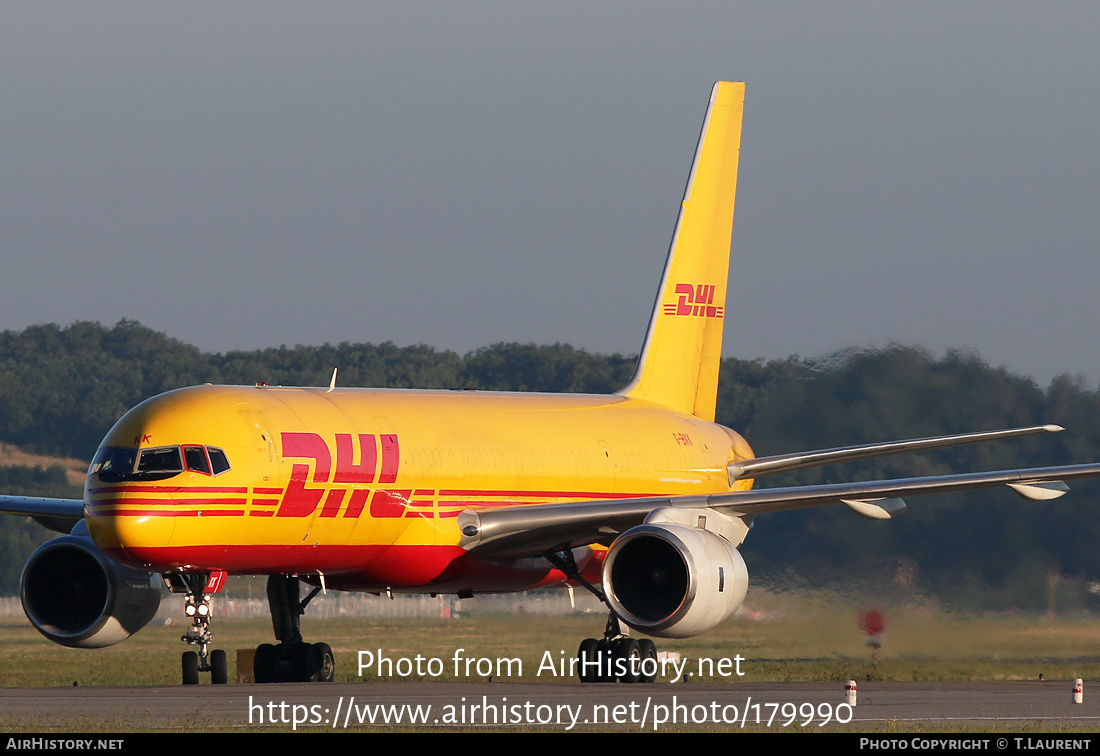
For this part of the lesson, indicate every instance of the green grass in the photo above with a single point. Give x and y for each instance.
(790, 639)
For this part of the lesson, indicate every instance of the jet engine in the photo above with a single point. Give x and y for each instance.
(673, 581)
(78, 597)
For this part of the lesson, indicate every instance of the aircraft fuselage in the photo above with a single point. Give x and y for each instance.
(364, 486)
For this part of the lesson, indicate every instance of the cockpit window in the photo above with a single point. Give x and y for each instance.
(116, 464)
(218, 460)
(195, 456)
(164, 459)
(112, 462)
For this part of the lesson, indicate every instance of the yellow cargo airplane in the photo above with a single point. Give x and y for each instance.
(640, 497)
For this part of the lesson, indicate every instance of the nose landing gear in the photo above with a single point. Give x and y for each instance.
(198, 588)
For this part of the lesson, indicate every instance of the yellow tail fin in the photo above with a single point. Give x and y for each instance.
(679, 363)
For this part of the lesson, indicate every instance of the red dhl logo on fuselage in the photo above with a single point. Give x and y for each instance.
(697, 301)
(301, 500)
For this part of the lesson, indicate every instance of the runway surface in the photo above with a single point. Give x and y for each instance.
(555, 707)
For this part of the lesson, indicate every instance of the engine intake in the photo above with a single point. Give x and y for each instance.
(76, 596)
(673, 581)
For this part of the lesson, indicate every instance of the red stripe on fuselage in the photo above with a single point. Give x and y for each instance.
(130, 488)
(146, 501)
(125, 512)
(331, 501)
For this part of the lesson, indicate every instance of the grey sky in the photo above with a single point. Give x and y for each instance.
(249, 174)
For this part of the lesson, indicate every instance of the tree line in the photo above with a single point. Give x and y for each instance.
(61, 388)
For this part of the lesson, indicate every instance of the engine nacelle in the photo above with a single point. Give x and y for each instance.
(673, 581)
(78, 597)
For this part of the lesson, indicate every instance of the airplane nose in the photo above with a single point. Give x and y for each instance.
(129, 538)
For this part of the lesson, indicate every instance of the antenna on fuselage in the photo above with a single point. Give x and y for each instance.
(332, 383)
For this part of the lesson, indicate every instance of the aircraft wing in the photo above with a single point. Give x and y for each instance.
(59, 515)
(760, 466)
(529, 530)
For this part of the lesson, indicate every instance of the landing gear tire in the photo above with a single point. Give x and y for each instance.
(321, 665)
(219, 667)
(628, 660)
(606, 654)
(648, 651)
(190, 664)
(297, 654)
(265, 664)
(586, 656)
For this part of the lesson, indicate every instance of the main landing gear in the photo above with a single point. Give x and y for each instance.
(292, 660)
(616, 657)
(197, 607)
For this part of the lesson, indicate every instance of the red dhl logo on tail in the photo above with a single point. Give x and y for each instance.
(300, 500)
(697, 300)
